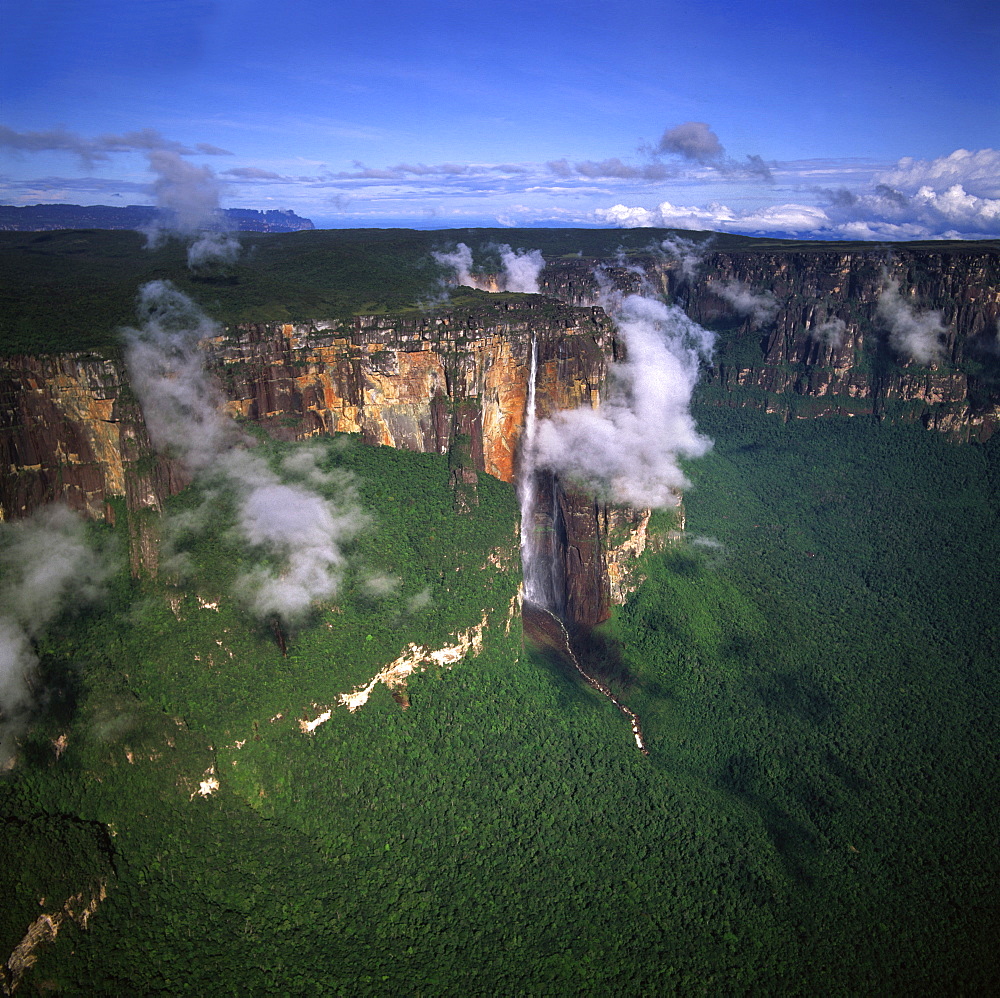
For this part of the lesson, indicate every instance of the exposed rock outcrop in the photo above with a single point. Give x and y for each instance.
(453, 380)
(801, 371)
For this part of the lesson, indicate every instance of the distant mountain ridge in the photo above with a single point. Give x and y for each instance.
(42, 217)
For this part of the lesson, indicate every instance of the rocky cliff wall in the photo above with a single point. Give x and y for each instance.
(454, 380)
(784, 355)
(417, 381)
(450, 381)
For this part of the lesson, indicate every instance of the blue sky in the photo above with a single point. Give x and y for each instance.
(870, 119)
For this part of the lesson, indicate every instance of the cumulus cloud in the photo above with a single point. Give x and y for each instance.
(696, 142)
(283, 515)
(628, 448)
(46, 568)
(761, 307)
(926, 212)
(718, 217)
(519, 269)
(916, 336)
(952, 197)
(978, 172)
(693, 140)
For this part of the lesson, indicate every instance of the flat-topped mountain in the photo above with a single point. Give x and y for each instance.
(42, 217)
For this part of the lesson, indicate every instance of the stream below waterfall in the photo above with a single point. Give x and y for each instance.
(546, 629)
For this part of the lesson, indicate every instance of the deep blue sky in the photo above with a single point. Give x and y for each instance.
(530, 113)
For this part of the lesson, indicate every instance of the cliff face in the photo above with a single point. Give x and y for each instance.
(71, 431)
(450, 382)
(417, 382)
(794, 368)
(454, 381)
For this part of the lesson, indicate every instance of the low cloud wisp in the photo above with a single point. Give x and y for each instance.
(628, 448)
(687, 253)
(46, 567)
(916, 336)
(188, 197)
(761, 307)
(831, 331)
(286, 516)
(520, 269)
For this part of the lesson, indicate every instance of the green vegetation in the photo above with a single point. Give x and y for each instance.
(815, 673)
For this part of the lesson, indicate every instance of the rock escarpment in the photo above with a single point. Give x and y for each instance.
(450, 381)
(783, 362)
(453, 380)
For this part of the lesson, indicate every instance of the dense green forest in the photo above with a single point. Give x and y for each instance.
(815, 669)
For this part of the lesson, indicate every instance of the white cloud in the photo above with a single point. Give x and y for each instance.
(918, 200)
(46, 567)
(830, 331)
(693, 140)
(520, 269)
(760, 306)
(628, 448)
(282, 516)
(714, 216)
(977, 172)
(916, 336)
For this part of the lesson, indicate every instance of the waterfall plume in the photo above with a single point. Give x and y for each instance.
(526, 489)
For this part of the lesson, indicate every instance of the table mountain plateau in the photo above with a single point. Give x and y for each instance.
(800, 332)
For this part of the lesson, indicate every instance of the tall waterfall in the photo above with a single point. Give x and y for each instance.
(542, 606)
(526, 488)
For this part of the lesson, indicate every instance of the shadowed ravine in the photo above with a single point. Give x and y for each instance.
(545, 630)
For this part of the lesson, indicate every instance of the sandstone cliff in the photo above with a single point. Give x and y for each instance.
(450, 381)
(453, 380)
(789, 367)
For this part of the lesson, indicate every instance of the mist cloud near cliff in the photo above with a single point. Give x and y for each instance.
(286, 515)
(687, 253)
(46, 567)
(519, 269)
(761, 307)
(914, 335)
(628, 448)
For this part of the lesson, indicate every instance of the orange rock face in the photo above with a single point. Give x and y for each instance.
(417, 383)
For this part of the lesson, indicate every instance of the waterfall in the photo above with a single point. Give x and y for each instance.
(539, 568)
(526, 489)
